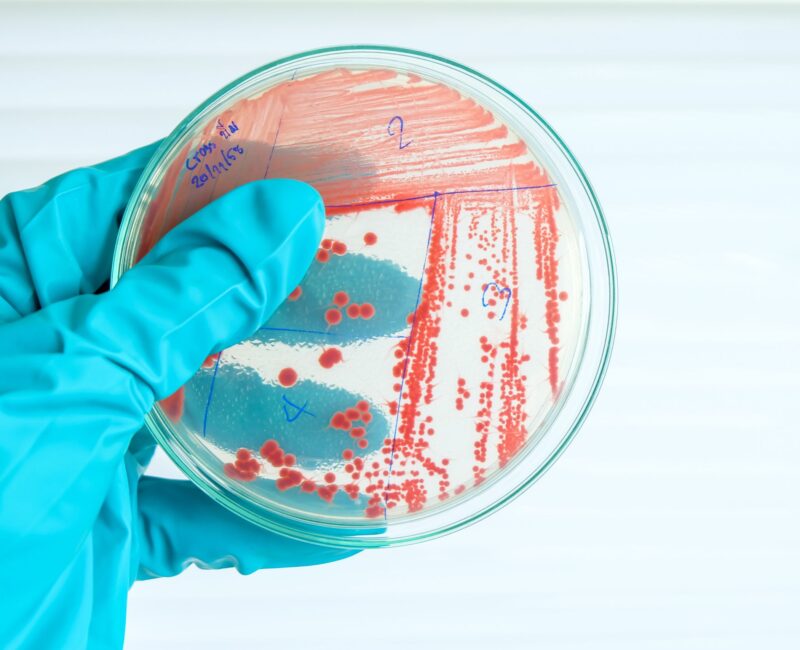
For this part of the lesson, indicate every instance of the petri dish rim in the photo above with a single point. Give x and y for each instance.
(601, 295)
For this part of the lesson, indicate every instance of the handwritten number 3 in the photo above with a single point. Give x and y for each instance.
(392, 133)
(503, 291)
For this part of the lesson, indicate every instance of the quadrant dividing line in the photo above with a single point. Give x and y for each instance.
(210, 393)
(437, 194)
(277, 131)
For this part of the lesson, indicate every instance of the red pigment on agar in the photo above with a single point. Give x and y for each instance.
(287, 377)
(268, 447)
(367, 311)
(330, 357)
(245, 468)
(289, 479)
(173, 405)
(298, 291)
(210, 361)
(340, 421)
(326, 492)
(273, 453)
(463, 394)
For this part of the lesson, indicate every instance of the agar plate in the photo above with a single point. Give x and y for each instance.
(453, 330)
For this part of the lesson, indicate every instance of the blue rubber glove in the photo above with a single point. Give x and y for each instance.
(78, 372)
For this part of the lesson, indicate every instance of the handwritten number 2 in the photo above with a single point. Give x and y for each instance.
(399, 120)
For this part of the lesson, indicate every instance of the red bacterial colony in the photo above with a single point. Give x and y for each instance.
(245, 468)
(370, 239)
(330, 357)
(367, 311)
(463, 394)
(287, 377)
(353, 420)
(272, 451)
(328, 246)
(298, 291)
(340, 298)
(333, 316)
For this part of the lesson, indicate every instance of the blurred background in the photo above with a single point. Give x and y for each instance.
(673, 519)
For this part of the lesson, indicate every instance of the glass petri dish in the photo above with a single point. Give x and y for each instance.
(450, 336)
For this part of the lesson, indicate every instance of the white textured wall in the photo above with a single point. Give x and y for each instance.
(673, 521)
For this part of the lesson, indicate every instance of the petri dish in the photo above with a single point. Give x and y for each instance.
(453, 331)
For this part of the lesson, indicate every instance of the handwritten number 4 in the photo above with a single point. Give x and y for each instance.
(400, 124)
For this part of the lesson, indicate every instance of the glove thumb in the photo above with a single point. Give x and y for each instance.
(179, 526)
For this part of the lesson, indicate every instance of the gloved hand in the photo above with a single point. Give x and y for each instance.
(79, 370)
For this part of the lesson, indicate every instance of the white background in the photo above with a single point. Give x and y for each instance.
(673, 519)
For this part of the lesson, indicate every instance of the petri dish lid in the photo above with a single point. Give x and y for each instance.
(450, 336)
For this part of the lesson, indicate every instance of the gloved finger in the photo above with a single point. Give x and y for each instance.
(58, 238)
(209, 283)
(77, 377)
(179, 526)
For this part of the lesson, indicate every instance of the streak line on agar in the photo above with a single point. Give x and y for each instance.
(211, 393)
(408, 349)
